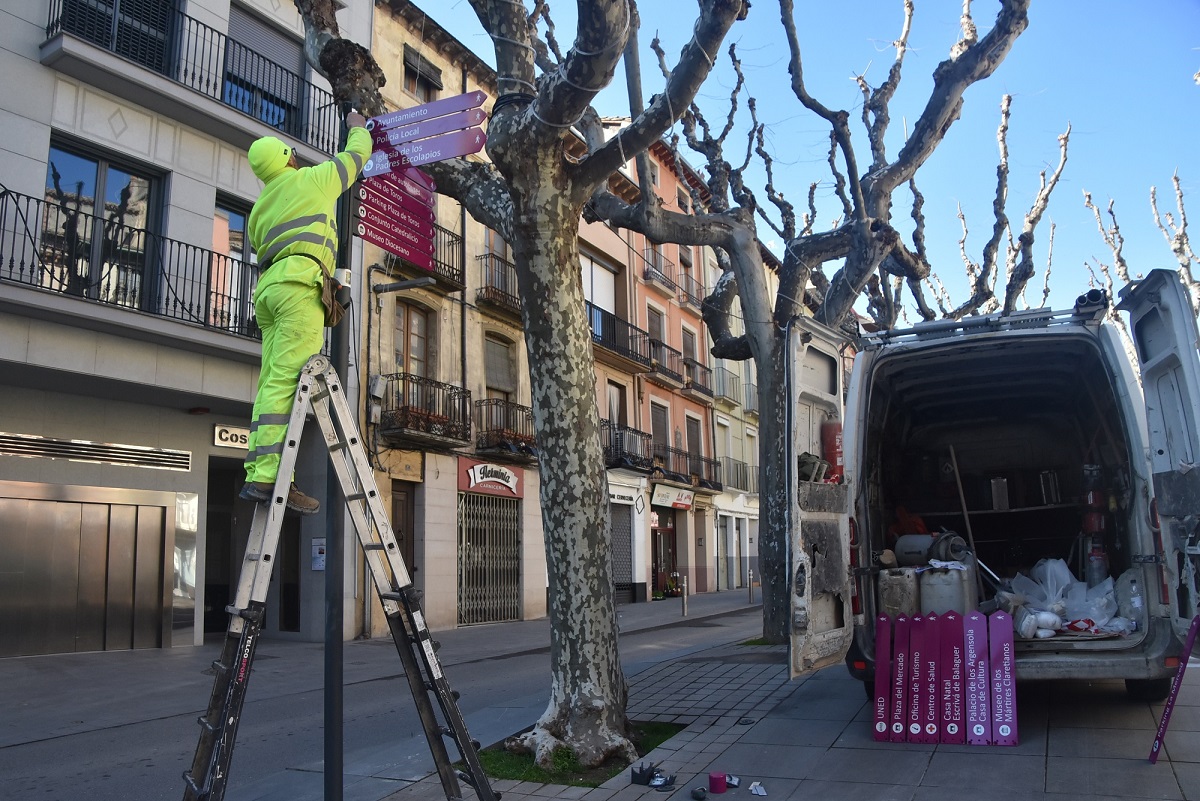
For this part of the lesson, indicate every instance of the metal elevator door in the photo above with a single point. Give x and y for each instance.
(79, 576)
(622, 552)
(489, 559)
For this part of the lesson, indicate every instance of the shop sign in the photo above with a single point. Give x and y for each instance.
(489, 478)
(231, 436)
(674, 497)
(622, 495)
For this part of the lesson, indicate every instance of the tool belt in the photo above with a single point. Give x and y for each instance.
(334, 311)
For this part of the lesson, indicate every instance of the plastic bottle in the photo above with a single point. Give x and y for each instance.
(1135, 603)
(1097, 566)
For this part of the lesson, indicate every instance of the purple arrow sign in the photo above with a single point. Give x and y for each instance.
(420, 226)
(437, 108)
(398, 183)
(393, 230)
(420, 130)
(425, 151)
(369, 234)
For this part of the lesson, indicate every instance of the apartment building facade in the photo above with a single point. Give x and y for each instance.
(127, 339)
(130, 352)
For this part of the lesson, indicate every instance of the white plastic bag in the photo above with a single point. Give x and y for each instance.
(1097, 604)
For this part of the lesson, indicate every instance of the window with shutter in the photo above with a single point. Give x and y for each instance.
(264, 72)
(498, 367)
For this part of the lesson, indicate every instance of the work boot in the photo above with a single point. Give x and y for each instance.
(297, 501)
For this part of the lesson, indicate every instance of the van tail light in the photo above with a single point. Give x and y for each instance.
(855, 578)
(1171, 662)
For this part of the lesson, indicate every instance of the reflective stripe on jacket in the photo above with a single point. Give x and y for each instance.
(295, 214)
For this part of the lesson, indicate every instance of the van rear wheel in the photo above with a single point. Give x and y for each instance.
(1148, 689)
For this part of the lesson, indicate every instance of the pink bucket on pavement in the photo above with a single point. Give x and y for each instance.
(716, 782)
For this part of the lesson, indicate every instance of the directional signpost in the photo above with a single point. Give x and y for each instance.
(395, 200)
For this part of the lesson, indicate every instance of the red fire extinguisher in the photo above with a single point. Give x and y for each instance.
(831, 450)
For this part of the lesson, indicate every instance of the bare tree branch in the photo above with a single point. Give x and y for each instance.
(1024, 267)
(1177, 240)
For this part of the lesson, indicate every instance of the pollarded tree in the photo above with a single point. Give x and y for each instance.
(533, 193)
(865, 245)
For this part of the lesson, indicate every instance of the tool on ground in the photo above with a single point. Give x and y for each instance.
(1184, 656)
(320, 391)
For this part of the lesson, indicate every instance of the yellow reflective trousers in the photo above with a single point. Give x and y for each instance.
(293, 324)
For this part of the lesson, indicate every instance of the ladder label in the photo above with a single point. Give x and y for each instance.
(434, 667)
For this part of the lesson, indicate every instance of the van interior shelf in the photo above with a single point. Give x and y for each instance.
(958, 512)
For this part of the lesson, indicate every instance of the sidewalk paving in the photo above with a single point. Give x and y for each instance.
(803, 739)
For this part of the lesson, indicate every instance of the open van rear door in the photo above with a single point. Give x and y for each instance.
(822, 623)
(1166, 338)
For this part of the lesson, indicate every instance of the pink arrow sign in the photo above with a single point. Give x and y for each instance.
(384, 137)
(419, 225)
(384, 241)
(425, 151)
(412, 173)
(427, 111)
(394, 230)
(398, 183)
(376, 194)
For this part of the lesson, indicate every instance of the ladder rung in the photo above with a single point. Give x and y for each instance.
(219, 665)
(245, 614)
(204, 724)
(374, 546)
(191, 783)
(340, 445)
(356, 496)
(390, 596)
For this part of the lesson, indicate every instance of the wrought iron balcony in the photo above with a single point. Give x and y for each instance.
(753, 474)
(419, 409)
(660, 272)
(728, 385)
(52, 244)
(736, 474)
(751, 404)
(617, 342)
(691, 291)
(705, 472)
(447, 260)
(182, 49)
(674, 463)
(501, 425)
(666, 365)
(699, 380)
(498, 284)
(625, 447)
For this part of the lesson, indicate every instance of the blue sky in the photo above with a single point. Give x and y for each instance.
(1121, 73)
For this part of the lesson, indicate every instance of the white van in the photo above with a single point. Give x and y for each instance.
(1030, 436)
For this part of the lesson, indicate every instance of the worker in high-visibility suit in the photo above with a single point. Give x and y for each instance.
(293, 229)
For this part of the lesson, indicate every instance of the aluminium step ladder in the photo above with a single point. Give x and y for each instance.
(321, 392)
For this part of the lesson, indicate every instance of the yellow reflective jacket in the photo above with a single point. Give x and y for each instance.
(295, 214)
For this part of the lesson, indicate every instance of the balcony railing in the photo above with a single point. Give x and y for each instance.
(674, 462)
(625, 447)
(753, 474)
(751, 404)
(503, 425)
(614, 334)
(187, 51)
(660, 270)
(666, 361)
(53, 245)
(699, 377)
(420, 408)
(728, 385)
(705, 472)
(735, 473)
(498, 283)
(691, 291)
(447, 256)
